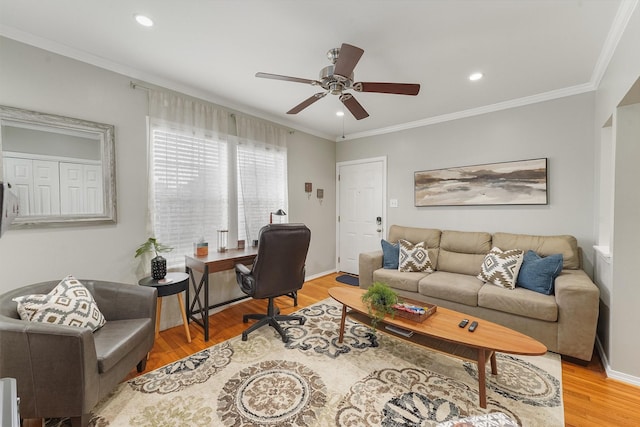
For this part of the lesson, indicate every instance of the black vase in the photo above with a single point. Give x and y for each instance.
(158, 267)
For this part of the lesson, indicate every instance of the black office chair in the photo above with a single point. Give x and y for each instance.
(277, 270)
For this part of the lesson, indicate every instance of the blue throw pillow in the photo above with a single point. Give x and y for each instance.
(390, 255)
(538, 274)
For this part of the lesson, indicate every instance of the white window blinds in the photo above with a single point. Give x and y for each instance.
(262, 186)
(189, 192)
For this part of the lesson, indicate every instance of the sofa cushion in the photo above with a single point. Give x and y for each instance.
(501, 267)
(69, 304)
(543, 246)
(520, 301)
(455, 287)
(463, 251)
(430, 236)
(414, 257)
(117, 338)
(398, 280)
(390, 254)
(538, 274)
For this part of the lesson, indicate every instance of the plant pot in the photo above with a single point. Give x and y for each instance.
(158, 267)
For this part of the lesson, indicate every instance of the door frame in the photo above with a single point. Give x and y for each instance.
(382, 159)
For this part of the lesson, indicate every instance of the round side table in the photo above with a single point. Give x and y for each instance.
(172, 284)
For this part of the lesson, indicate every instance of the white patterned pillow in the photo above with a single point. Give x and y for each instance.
(69, 303)
(501, 268)
(414, 257)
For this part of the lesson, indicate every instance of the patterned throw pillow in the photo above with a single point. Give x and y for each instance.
(501, 268)
(69, 303)
(414, 257)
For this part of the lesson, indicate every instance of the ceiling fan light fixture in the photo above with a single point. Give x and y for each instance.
(340, 113)
(143, 20)
(475, 76)
(336, 88)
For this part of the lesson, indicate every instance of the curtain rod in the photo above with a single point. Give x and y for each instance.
(133, 85)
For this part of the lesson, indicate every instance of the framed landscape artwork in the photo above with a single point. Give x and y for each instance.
(522, 182)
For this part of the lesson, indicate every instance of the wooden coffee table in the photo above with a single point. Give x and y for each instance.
(440, 332)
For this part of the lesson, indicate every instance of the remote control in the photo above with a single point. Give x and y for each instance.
(463, 323)
(473, 326)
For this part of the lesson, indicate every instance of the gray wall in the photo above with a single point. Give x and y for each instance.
(38, 80)
(560, 130)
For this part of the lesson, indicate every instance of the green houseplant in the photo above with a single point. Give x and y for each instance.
(379, 300)
(158, 263)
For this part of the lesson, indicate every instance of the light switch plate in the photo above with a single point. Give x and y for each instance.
(393, 203)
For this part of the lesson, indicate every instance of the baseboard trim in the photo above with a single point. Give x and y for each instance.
(611, 373)
(315, 276)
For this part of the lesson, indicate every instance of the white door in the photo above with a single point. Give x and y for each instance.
(71, 188)
(46, 188)
(93, 189)
(361, 210)
(19, 173)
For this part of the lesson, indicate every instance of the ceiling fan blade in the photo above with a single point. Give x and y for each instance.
(354, 106)
(304, 104)
(394, 88)
(347, 60)
(286, 78)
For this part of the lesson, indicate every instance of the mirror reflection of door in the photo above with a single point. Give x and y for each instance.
(53, 172)
(361, 193)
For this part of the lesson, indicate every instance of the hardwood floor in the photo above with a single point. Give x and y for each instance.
(590, 398)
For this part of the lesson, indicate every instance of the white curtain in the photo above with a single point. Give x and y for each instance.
(188, 172)
(262, 174)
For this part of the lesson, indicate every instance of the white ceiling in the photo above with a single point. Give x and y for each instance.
(528, 50)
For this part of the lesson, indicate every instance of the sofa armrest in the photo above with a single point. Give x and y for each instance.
(120, 301)
(578, 300)
(50, 360)
(368, 262)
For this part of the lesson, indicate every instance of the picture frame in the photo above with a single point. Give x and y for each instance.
(521, 182)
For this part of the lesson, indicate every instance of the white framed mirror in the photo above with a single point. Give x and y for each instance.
(61, 169)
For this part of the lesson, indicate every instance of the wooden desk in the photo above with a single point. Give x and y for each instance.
(212, 263)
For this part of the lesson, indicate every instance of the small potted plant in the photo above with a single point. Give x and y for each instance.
(379, 300)
(159, 263)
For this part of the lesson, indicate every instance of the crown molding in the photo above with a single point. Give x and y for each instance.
(620, 23)
(143, 77)
(513, 103)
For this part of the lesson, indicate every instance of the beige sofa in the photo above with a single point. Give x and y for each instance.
(565, 321)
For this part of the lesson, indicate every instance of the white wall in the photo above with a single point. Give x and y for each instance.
(35, 79)
(560, 130)
(618, 281)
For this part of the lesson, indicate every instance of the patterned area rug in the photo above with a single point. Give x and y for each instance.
(315, 381)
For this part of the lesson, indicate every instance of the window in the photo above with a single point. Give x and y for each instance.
(191, 176)
(262, 186)
(189, 192)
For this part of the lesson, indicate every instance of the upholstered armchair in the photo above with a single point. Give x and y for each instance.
(63, 371)
(278, 269)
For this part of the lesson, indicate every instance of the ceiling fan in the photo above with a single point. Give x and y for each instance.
(338, 78)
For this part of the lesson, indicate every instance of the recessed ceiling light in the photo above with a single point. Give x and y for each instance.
(145, 21)
(340, 113)
(475, 76)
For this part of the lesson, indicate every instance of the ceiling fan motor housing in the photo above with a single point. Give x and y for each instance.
(333, 82)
